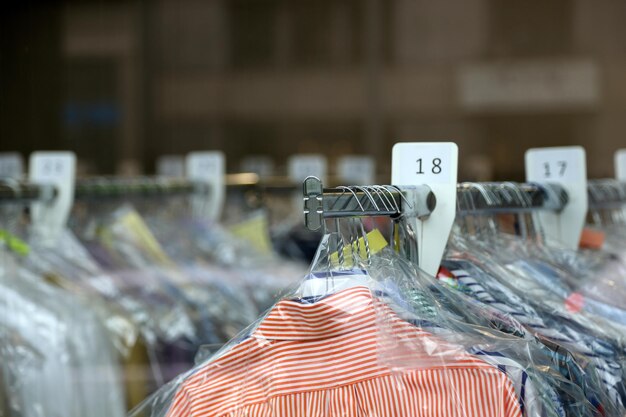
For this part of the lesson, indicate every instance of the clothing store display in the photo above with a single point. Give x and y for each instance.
(140, 299)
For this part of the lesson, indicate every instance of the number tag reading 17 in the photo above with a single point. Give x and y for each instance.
(554, 164)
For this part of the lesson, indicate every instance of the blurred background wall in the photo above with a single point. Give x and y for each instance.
(123, 82)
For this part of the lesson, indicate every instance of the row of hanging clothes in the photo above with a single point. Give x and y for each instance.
(126, 295)
(511, 324)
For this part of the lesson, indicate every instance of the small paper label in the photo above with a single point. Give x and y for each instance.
(620, 165)
(375, 242)
(423, 163)
(11, 165)
(357, 170)
(555, 165)
(302, 166)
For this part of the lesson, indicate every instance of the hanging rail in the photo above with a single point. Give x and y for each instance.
(362, 201)
(493, 197)
(21, 191)
(386, 200)
(606, 194)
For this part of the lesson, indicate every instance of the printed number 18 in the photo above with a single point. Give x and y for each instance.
(436, 169)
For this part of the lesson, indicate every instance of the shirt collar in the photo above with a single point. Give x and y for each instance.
(343, 312)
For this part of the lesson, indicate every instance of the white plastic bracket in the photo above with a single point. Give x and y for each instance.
(57, 169)
(434, 164)
(208, 169)
(620, 164)
(567, 167)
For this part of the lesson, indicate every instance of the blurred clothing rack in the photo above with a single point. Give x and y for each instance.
(492, 197)
(112, 187)
(606, 194)
(387, 200)
(20, 191)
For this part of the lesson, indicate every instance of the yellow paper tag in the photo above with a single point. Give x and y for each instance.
(133, 222)
(14, 243)
(376, 243)
(256, 231)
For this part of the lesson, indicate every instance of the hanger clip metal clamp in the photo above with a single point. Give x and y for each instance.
(313, 203)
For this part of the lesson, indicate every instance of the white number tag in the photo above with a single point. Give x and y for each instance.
(434, 164)
(357, 170)
(302, 166)
(620, 164)
(554, 165)
(565, 166)
(57, 169)
(208, 168)
(423, 163)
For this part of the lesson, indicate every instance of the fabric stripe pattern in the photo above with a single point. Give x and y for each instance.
(345, 355)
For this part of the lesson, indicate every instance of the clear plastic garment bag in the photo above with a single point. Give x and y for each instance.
(367, 335)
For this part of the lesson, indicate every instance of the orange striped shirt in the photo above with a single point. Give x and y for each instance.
(346, 355)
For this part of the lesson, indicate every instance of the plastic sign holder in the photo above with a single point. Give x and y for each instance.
(567, 167)
(620, 165)
(208, 169)
(434, 164)
(356, 170)
(56, 169)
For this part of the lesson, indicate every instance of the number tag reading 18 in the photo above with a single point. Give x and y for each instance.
(422, 163)
(554, 165)
(620, 165)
